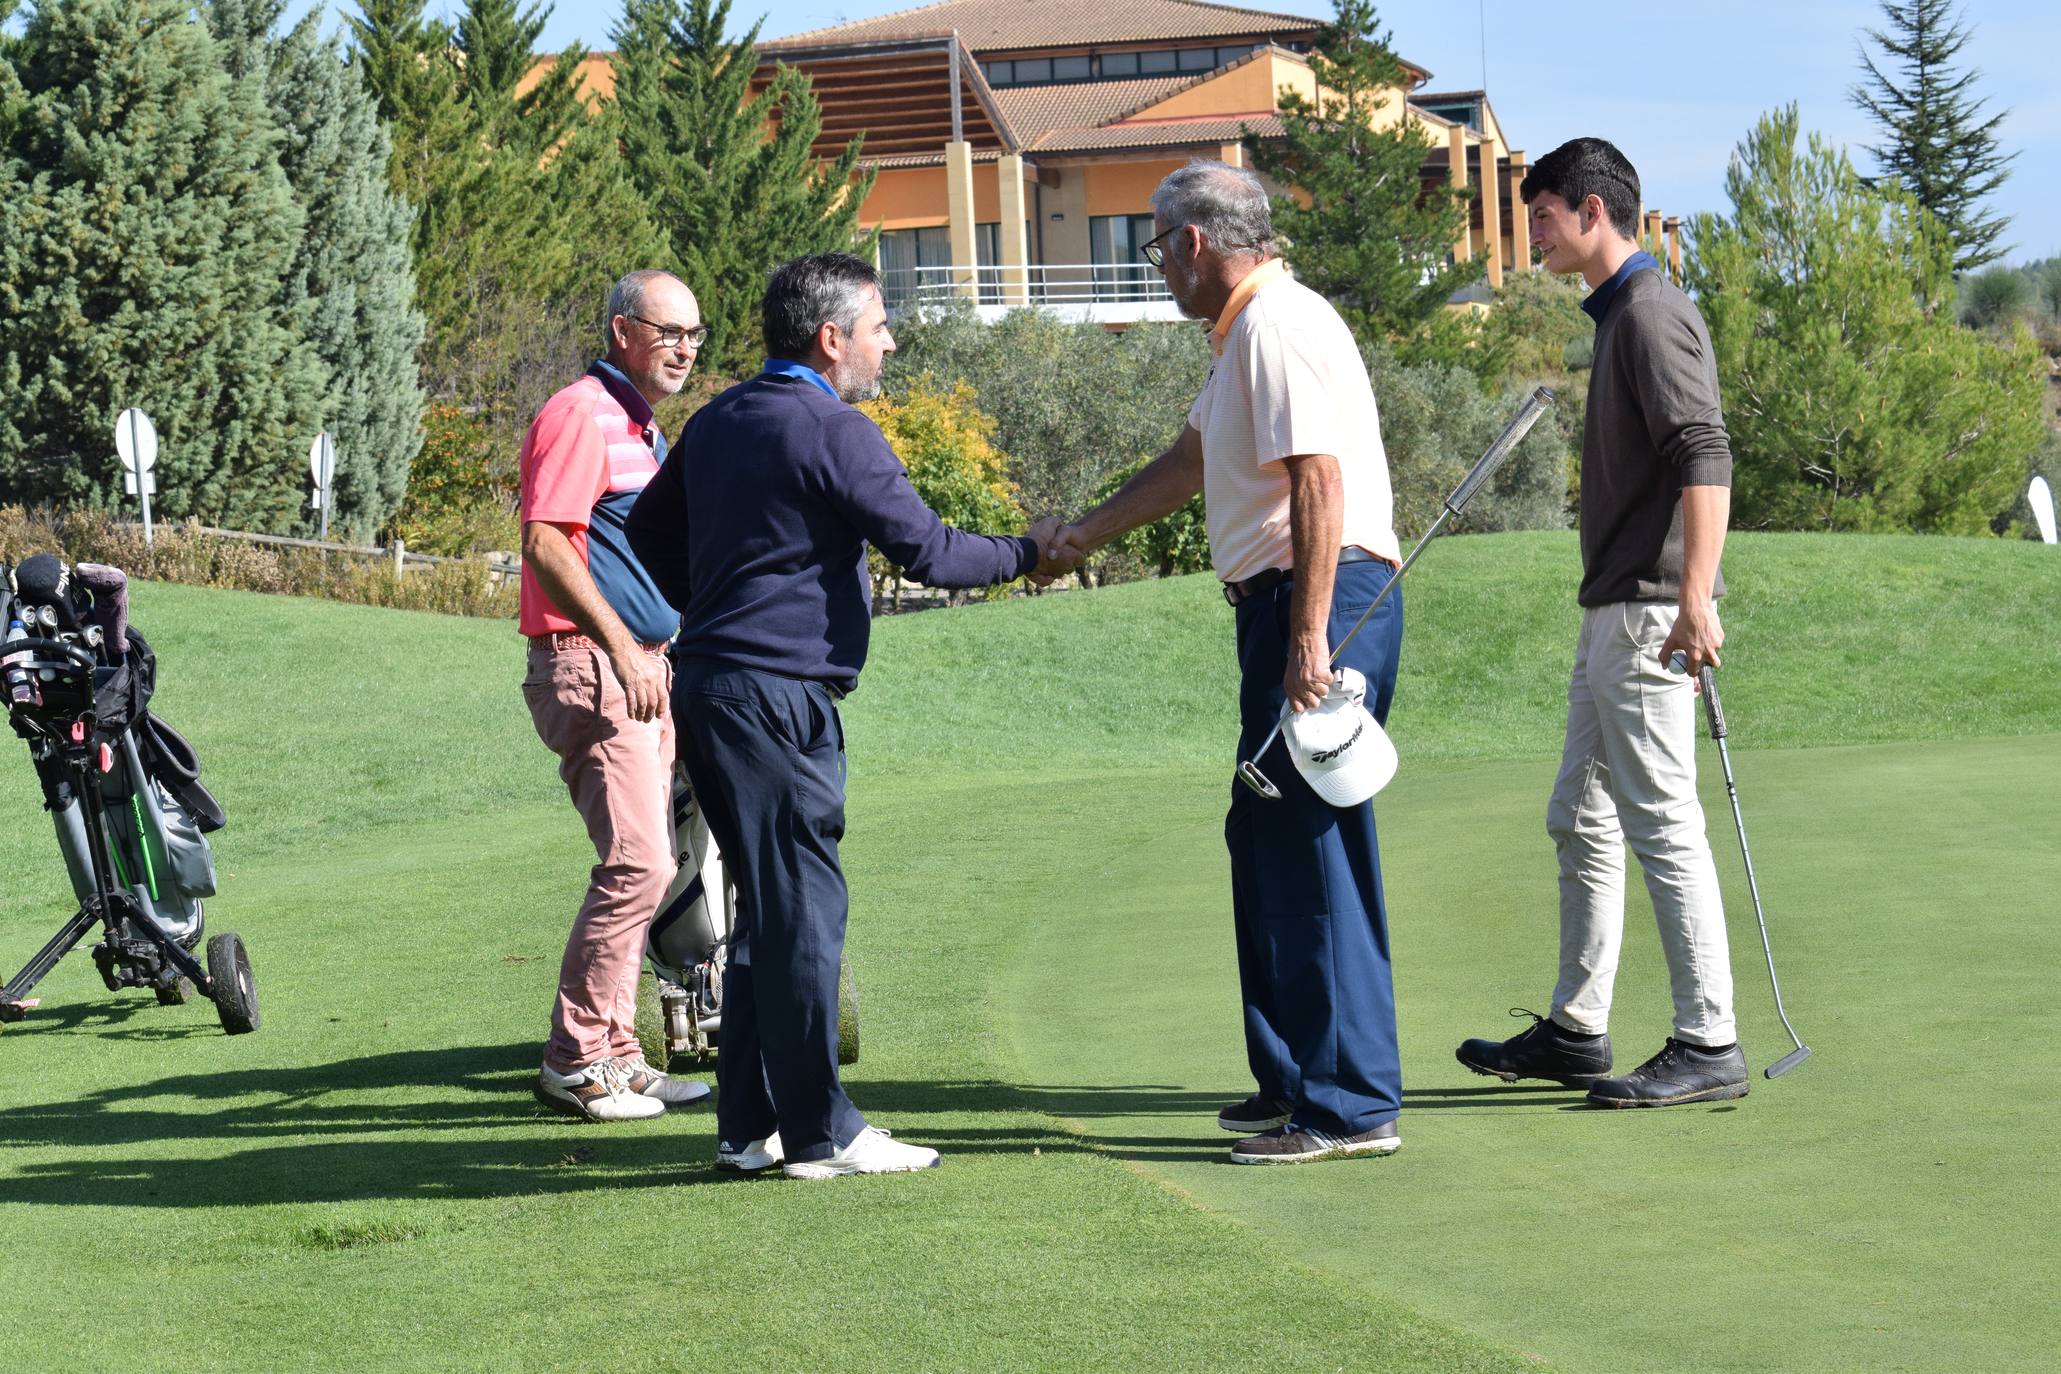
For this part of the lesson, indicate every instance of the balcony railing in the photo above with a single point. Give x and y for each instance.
(1108, 292)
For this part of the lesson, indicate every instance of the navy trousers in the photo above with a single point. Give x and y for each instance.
(766, 757)
(1313, 961)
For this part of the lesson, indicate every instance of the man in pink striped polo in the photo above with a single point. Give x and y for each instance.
(598, 681)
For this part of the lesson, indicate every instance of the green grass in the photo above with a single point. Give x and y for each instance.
(1041, 936)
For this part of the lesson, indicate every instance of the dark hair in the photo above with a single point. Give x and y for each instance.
(807, 293)
(1584, 167)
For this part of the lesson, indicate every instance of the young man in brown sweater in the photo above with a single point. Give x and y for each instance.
(1655, 497)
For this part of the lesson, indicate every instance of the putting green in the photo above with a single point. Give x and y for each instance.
(1889, 1205)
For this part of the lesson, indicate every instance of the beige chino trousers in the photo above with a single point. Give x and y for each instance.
(1628, 775)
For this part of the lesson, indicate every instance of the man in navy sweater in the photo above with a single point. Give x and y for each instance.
(756, 529)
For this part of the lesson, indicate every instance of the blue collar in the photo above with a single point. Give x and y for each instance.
(625, 392)
(787, 367)
(1598, 300)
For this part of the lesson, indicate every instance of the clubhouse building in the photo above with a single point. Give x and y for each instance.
(1015, 146)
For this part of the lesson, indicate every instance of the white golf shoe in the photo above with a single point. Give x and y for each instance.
(647, 1081)
(599, 1091)
(872, 1151)
(755, 1156)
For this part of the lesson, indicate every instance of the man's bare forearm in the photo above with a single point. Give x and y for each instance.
(1706, 511)
(1157, 490)
(1316, 524)
(564, 577)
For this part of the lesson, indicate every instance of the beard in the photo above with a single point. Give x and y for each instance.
(851, 387)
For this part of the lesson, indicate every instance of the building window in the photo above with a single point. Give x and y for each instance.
(1119, 64)
(999, 73)
(1156, 63)
(1030, 69)
(1070, 69)
(1198, 59)
(916, 262)
(1113, 244)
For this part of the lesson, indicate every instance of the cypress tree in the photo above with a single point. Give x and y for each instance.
(524, 211)
(353, 280)
(145, 239)
(1370, 238)
(1935, 138)
(735, 177)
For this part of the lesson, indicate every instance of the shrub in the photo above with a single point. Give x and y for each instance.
(1435, 424)
(458, 501)
(184, 553)
(947, 444)
(1996, 295)
(1073, 403)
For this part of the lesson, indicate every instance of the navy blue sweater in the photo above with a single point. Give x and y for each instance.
(756, 531)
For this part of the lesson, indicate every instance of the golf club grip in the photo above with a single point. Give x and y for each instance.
(1513, 434)
(1708, 676)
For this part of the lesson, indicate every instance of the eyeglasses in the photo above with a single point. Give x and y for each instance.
(673, 335)
(1152, 252)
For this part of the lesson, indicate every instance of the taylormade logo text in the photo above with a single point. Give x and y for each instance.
(1326, 755)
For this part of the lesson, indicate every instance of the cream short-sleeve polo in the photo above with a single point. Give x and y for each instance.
(1289, 381)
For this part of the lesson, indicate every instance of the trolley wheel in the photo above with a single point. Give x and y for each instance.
(176, 993)
(236, 995)
(847, 1013)
(651, 1022)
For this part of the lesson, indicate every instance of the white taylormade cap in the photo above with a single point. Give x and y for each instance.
(1339, 748)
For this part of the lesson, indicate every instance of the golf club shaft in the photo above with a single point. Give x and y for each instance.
(1537, 404)
(1715, 712)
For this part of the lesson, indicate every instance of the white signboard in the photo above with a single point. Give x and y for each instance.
(135, 440)
(136, 446)
(322, 469)
(2042, 498)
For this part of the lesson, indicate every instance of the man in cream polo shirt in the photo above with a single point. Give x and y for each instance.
(1285, 444)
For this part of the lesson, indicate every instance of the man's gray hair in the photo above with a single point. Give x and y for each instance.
(810, 292)
(626, 297)
(1226, 203)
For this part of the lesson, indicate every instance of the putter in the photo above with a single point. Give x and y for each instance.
(1513, 434)
(1716, 714)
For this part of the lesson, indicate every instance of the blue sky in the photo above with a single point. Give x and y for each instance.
(1676, 86)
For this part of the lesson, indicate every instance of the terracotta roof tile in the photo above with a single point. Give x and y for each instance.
(1033, 111)
(1170, 135)
(1002, 25)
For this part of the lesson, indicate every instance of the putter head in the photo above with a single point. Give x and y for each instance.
(1250, 775)
(1789, 1061)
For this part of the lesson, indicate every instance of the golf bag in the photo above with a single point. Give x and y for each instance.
(688, 948)
(689, 939)
(123, 790)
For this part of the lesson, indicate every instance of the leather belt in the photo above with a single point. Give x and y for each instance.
(573, 639)
(1235, 592)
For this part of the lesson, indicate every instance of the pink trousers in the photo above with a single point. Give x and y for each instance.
(620, 773)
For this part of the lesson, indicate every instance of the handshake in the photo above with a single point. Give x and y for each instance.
(1061, 549)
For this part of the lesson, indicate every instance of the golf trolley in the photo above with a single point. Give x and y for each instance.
(123, 789)
(680, 1006)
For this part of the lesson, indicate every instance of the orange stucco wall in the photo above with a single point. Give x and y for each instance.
(915, 198)
(1252, 89)
(1125, 188)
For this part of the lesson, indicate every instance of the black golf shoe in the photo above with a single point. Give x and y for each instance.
(1681, 1072)
(1255, 1114)
(1293, 1144)
(1544, 1050)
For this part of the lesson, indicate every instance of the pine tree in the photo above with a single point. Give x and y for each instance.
(1854, 399)
(353, 279)
(1935, 138)
(145, 241)
(1370, 238)
(734, 176)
